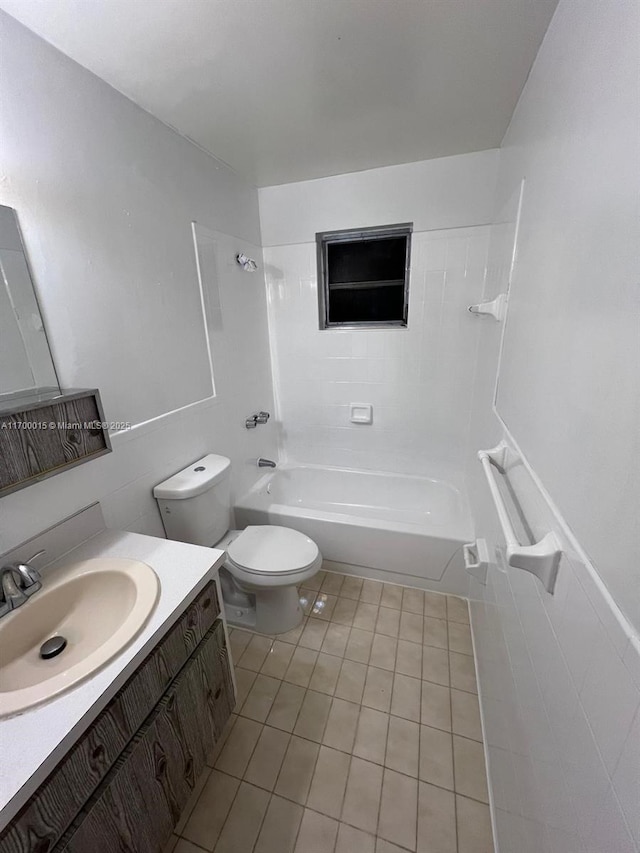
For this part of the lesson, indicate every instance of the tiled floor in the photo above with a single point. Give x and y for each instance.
(358, 732)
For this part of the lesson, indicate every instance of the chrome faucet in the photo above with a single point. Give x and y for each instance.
(258, 418)
(17, 582)
(266, 463)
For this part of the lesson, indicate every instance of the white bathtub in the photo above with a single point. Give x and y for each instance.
(397, 525)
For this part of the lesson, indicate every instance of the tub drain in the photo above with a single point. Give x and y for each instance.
(51, 648)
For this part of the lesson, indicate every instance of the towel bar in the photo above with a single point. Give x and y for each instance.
(541, 558)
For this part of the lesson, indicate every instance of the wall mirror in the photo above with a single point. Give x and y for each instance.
(26, 364)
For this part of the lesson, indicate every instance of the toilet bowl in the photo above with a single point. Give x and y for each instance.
(267, 564)
(264, 563)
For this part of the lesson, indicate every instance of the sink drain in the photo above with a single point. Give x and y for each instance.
(51, 648)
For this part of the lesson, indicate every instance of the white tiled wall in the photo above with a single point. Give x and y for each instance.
(419, 380)
(559, 674)
(560, 693)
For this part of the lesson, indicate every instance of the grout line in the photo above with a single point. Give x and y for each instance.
(360, 704)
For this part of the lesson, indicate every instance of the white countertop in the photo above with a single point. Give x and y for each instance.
(32, 743)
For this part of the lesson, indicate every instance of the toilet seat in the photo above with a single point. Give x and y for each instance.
(272, 551)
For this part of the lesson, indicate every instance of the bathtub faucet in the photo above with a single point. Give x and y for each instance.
(266, 463)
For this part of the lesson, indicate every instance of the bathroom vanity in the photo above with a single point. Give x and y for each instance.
(109, 765)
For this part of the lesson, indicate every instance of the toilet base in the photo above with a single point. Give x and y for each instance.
(276, 610)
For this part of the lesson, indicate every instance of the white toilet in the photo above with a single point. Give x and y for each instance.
(264, 564)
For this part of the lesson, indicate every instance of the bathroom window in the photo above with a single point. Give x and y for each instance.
(363, 277)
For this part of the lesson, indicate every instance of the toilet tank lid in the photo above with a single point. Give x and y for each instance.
(198, 478)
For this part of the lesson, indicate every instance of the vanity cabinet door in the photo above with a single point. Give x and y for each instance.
(53, 807)
(138, 804)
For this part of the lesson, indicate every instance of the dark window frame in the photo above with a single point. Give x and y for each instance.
(326, 238)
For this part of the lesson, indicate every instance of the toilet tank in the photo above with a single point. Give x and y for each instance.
(195, 504)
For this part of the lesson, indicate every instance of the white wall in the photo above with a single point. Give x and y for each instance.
(560, 674)
(449, 192)
(105, 195)
(419, 380)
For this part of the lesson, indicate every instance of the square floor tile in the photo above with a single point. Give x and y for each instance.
(413, 600)
(238, 640)
(313, 715)
(207, 818)
(278, 659)
(383, 846)
(293, 635)
(465, 715)
(435, 665)
(463, 672)
(388, 622)
(436, 820)
(244, 682)
(255, 653)
(260, 699)
(359, 646)
(340, 731)
(436, 757)
(403, 746)
(399, 809)
(286, 707)
(436, 706)
(371, 735)
(469, 769)
(336, 638)
(301, 667)
(306, 597)
(267, 758)
(313, 635)
(240, 744)
(351, 840)
(245, 819)
(435, 632)
(332, 583)
(280, 828)
(406, 697)
(325, 674)
(410, 627)
(362, 798)
(297, 770)
(351, 588)
(474, 827)
(317, 833)
(351, 681)
(391, 596)
(435, 605)
(316, 581)
(371, 592)
(365, 616)
(457, 609)
(383, 651)
(329, 782)
(345, 611)
(409, 659)
(378, 689)
(323, 606)
(460, 638)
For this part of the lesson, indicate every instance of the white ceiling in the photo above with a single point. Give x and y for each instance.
(284, 90)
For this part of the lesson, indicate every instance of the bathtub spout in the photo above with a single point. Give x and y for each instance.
(266, 463)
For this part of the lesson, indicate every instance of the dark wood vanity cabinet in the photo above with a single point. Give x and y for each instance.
(121, 789)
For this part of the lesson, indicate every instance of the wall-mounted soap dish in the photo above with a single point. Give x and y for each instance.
(496, 308)
(361, 413)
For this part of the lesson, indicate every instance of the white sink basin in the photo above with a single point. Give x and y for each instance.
(98, 606)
